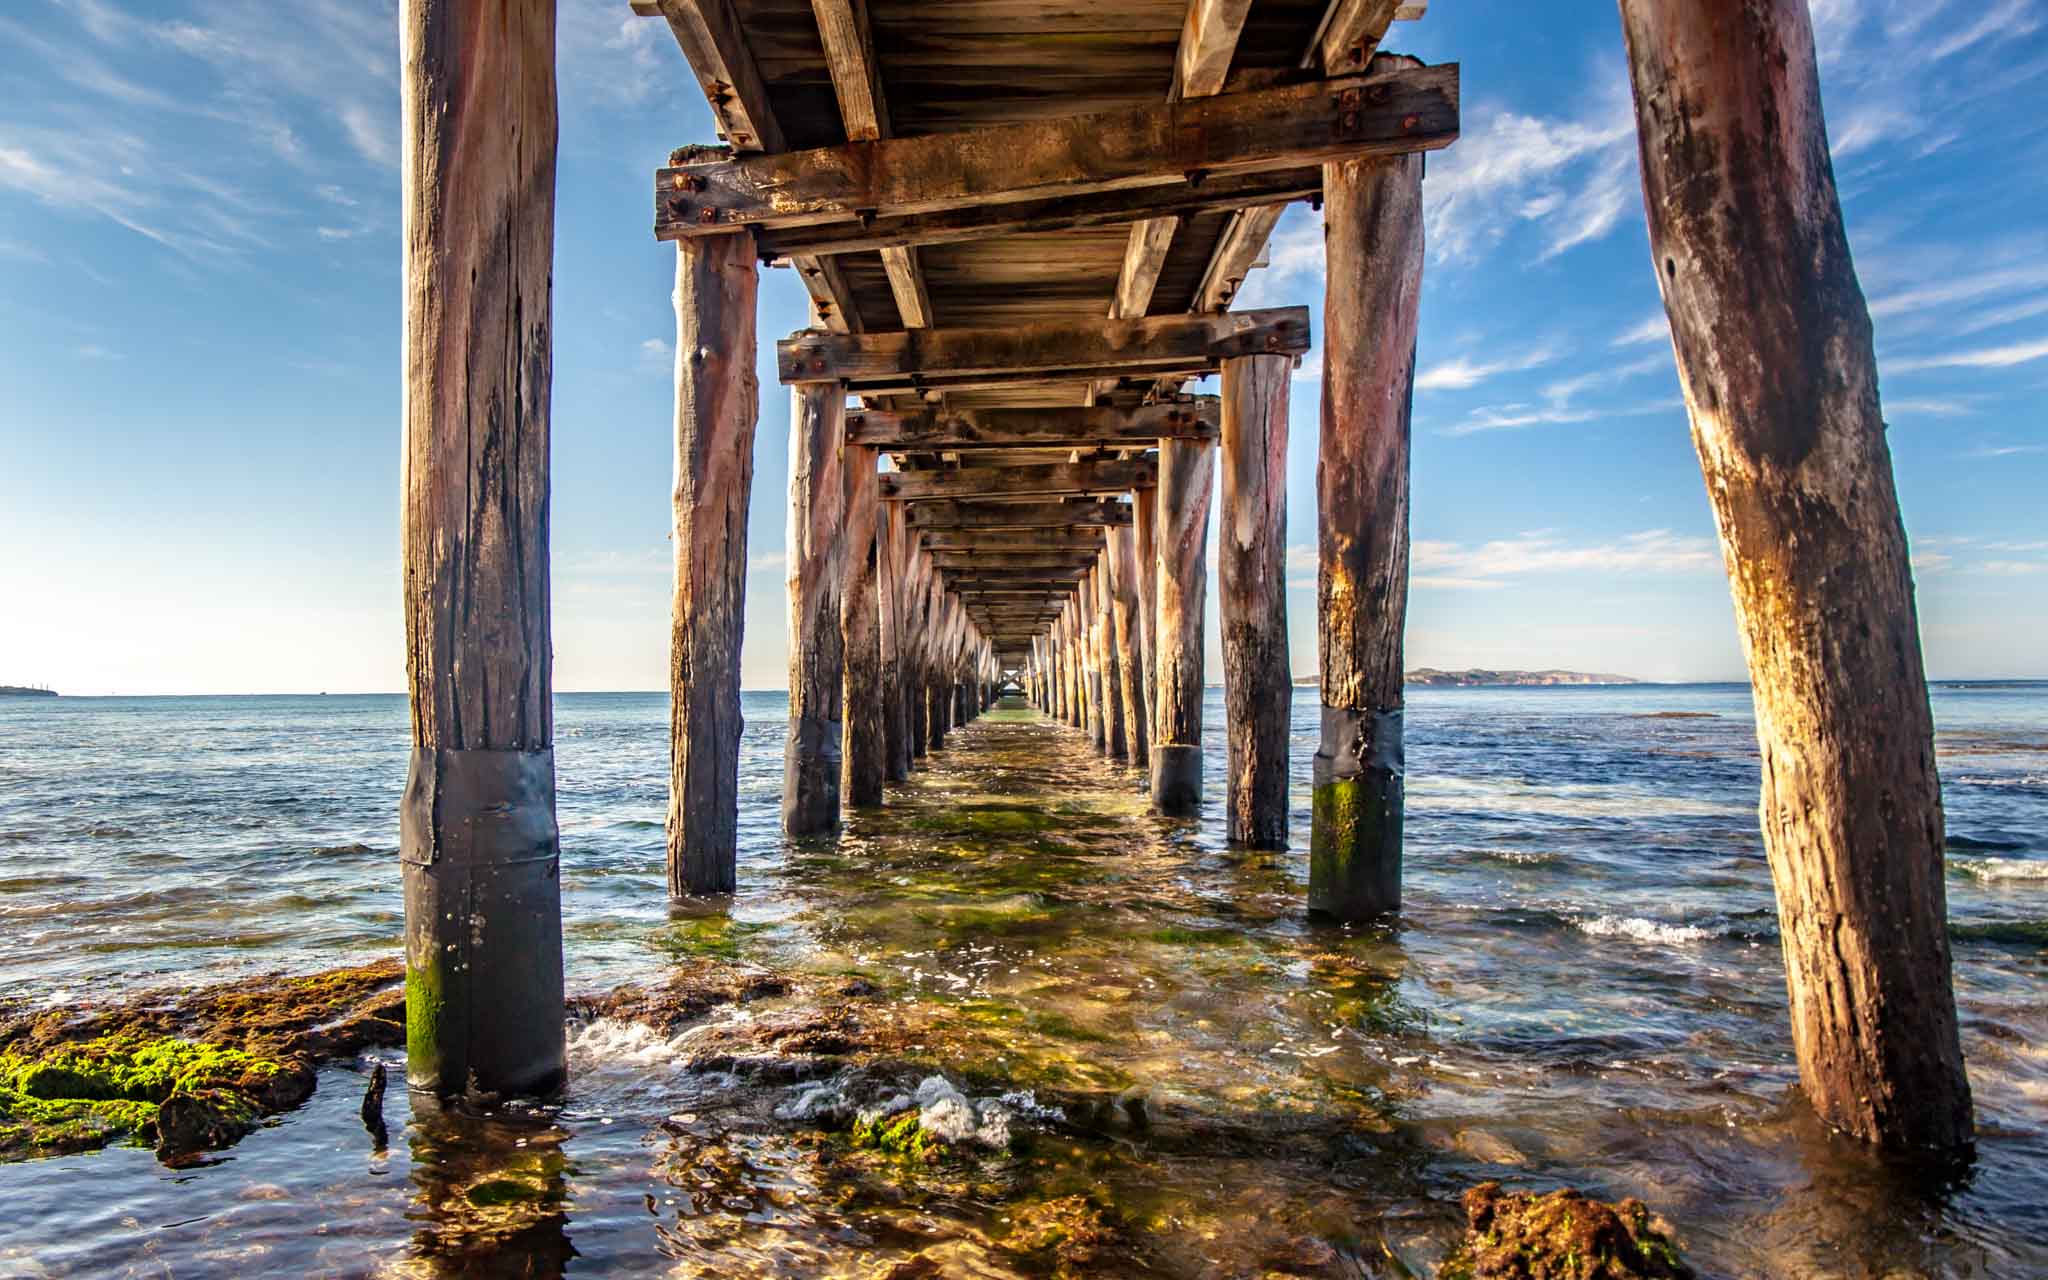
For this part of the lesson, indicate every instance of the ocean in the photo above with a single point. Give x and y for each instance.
(1584, 988)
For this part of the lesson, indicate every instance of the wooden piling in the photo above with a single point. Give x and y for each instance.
(916, 644)
(1115, 742)
(1258, 678)
(811, 752)
(864, 763)
(1773, 342)
(1145, 536)
(479, 850)
(1372, 220)
(1123, 571)
(889, 609)
(1187, 477)
(935, 716)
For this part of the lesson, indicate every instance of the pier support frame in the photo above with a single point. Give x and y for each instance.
(889, 542)
(1773, 342)
(1187, 478)
(479, 849)
(1258, 679)
(1123, 569)
(1372, 230)
(1145, 541)
(811, 754)
(865, 762)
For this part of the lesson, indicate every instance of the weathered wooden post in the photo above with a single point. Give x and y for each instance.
(810, 760)
(1372, 228)
(1258, 678)
(1114, 742)
(916, 648)
(479, 849)
(937, 620)
(1145, 535)
(889, 609)
(1187, 476)
(1123, 570)
(1774, 350)
(865, 762)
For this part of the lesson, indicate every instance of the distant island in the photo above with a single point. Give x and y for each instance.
(1473, 677)
(25, 691)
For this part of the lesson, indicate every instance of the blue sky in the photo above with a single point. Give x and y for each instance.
(199, 348)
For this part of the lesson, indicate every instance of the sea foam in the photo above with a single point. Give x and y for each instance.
(1643, 930)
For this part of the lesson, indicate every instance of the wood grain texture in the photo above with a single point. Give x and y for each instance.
(709, 34)
(1016, 515)
(889, 557)
(479, 201)
(1112, 476)
(1373, 245)
(1258, 683)
(849, 52)
(1187, 478)
(717, 403)
(1272, 129)
(864, 759)
(887, 359)
(1207, 43)
(1145, 544)
(1098, 426)
(1122, 557)
(811, 762)
(1773, 341)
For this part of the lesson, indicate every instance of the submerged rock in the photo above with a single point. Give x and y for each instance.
(1561, 1236)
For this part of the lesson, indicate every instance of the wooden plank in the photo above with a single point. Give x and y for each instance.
(833, 303)
(1251, 598)
(1179, 199)
(1208, 41)
(1097, 426)
(1352, 32)
(1775, 355)
(1283, 128)
(906, 281)
(929, 356)
(849, 54)
(1143, 259)
(1079, 478)
(480, 855)
(712, 43)
(1236, 253)
(1016, 515)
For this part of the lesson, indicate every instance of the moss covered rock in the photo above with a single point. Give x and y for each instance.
(1561, 1236)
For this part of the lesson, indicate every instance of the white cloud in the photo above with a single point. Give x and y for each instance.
(2009, 21)
(1925, 407)
(2008, 450)
(1495, 563)
(1654, 328)
(1980, 358)
(1461, 372)
(767, 562)
(1952, 288)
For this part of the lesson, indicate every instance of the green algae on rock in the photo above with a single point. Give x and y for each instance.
(1561, 1236)
(189, 1072)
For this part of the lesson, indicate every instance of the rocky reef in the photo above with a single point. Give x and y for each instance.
(1561, 1235)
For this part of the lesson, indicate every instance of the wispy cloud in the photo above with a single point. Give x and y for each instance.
(1979, 358)
(2008, 450)
(1560, 401)
(1572, 178)
(1497, 563)
(1461, 372)
(1654, 328)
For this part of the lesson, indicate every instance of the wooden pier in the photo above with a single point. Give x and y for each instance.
(1021, 225)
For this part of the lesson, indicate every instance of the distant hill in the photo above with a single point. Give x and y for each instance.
(1474, 677)
(24, 691)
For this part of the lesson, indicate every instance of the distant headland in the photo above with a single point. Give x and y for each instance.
(1474, 677)
(25, 691)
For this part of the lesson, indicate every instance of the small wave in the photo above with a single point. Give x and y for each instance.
(1974, 844)
(1642, 930)
(2000, 868)
(1522, 857)
(2024, 933)
(611, 1042)
(338, 850)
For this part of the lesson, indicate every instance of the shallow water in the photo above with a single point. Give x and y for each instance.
(1585, 988)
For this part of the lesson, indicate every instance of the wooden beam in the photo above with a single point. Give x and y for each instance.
(1144, 258)
(1282, 128)
(1051, 348)
(1352, 31)
(1078, 478)
(1208, 42)
(1098, 426)
(1001, 588)
(712, 43)
(849, 54)
(906, 281)
(1016, 515)
(1214, 193)
(1237, 251)
(938, 541)
(1013, 559)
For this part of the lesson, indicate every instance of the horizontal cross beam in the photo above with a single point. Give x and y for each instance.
(1061, 349)
(1032, 588)
(1390, 113)
(1017, 515)
(1097, 426)
(1015, 559)
(1087, 538)
(1119, 475)
(793, 245)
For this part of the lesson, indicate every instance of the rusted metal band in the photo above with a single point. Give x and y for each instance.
(478, 808)
(1356, 743)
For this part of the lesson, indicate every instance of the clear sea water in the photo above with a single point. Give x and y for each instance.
(1585, 988)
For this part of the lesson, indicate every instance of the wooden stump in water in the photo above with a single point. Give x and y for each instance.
(479, 849)
(1187, 476)
(1122, 559)
(889, 611)
(1372, 229)
(1773, 342)
(1258, 678)
(865, 761)
(810, 761)
(1145, 534)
